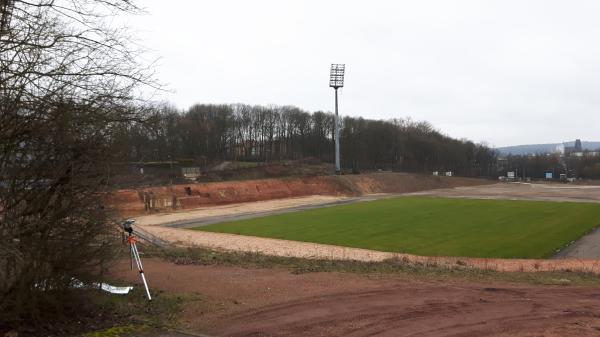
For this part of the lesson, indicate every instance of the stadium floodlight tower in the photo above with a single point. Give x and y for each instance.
(336, 81)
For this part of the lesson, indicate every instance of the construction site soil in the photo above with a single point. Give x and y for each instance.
(234, 301)
(522, 191)
(180, 197)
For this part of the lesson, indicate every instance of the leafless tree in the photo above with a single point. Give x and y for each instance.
(68, 81)
(267, 133)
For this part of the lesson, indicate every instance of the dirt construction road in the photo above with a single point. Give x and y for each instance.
(214, 214)
(236, 301)
(309, 250)
(521, 191)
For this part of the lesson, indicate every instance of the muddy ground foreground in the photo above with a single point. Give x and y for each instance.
(235, 301)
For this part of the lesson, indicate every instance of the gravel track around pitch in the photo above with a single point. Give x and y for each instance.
(579, 256)
(285, 248)
(214, 214)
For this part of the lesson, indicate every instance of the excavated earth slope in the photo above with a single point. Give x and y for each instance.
(194, 195)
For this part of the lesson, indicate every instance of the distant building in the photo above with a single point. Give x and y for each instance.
(191, 172)
(574, 151)
(578, 147)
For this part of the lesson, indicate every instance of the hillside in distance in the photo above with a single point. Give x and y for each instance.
(544, 148)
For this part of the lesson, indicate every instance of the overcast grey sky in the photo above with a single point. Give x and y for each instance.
(503, 72)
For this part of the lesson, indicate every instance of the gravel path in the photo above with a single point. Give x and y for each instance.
(587, 247)
(216, 214)
(205, 215)
(275, 247)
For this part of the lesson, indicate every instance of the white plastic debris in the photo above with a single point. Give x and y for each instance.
(75, 283)
(114, 290)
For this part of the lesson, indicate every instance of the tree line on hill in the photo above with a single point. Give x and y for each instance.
(206, 133)
(586, 166)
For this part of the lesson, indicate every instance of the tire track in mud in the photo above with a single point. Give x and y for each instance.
(444, 311)
(274, 302)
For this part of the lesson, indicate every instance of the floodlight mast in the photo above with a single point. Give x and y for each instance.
(336, 80)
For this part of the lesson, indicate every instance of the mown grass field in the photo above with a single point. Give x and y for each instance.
(433, 226)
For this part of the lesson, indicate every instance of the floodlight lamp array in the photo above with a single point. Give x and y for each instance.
(336, 76)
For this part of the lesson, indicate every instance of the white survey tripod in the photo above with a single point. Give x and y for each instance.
(135, 255)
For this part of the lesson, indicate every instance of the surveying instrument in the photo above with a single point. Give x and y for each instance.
(135, 255)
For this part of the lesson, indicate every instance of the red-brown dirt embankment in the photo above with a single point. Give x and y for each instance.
(194, 195)
(390, 182)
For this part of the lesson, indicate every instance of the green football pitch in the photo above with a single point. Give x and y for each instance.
(433, 226)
